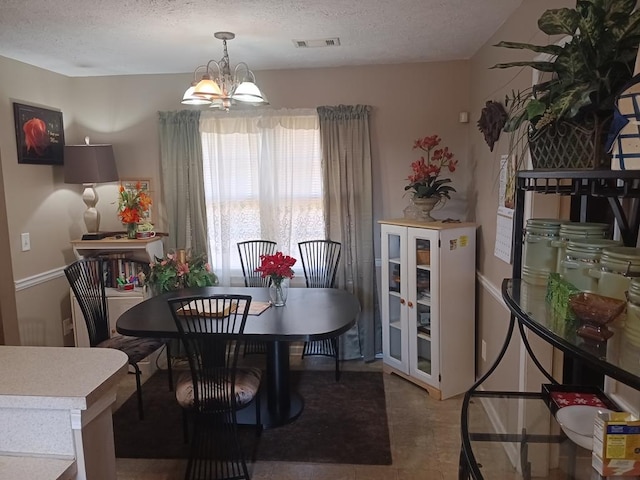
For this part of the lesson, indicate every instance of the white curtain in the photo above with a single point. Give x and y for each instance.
(262, 180)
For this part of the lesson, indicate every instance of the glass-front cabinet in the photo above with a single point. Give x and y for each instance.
(428, 296)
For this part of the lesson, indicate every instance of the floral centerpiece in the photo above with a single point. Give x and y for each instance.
(424, 181)
(181, 269)
(133, 204)
(277, 267)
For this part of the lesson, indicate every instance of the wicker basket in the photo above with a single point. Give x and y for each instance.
(423, 257)
(565, 144)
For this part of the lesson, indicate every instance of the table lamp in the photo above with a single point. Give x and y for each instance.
(90, 164)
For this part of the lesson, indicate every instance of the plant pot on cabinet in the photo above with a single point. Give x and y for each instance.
(426, 205)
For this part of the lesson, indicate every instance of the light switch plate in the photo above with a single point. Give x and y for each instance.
(25, 241)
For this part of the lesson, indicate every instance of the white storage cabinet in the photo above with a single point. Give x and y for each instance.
(428, 304)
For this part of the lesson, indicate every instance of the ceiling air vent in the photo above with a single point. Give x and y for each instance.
(324, 42)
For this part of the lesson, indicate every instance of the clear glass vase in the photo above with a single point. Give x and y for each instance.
(132, 229)
(278, 291)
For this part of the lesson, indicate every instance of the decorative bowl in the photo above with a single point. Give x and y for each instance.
(595, 312)
(577, 422)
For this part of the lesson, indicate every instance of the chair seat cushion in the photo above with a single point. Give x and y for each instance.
(247, 385)
(135, 348)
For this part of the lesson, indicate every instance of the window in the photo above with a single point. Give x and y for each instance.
(263, 180)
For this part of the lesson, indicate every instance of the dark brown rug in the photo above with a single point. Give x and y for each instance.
(342, 422)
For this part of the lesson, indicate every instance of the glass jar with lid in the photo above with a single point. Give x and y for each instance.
(618, 265)
(578, 231)
(540, 256)
(631, 329)
(580, 256)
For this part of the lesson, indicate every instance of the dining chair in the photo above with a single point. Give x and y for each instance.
(87, 280)
(250, 252)
(215, 388)
(320, 259)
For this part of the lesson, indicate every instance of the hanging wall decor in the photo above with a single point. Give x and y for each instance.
(39, 135)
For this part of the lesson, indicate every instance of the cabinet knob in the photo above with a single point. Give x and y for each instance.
(410, 304)
(402, 301)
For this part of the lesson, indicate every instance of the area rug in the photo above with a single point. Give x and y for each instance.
(342, 422)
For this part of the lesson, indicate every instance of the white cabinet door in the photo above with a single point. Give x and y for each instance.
(423, 305)
(394, 297)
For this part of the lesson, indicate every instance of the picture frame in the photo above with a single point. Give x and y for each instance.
(39, 135)
(129, 184)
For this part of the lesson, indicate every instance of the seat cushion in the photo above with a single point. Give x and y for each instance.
(135, 348)
(247, 385)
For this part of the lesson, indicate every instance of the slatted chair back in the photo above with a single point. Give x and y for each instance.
(210, 328)
(86, 278)
(250, 252)
(320, 259)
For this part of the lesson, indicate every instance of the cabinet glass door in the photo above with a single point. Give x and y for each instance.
(423, 304)
(394, 288)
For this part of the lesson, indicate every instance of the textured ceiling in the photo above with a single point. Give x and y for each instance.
(119, 37)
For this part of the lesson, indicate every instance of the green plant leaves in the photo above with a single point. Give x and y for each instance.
(589, 69)
(562, 21)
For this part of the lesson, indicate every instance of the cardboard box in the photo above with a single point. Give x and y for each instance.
(615, 467)
(616, 435)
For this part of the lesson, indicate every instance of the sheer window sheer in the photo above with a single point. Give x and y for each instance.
(262, 180)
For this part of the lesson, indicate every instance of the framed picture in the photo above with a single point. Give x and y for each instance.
(145, 186)
(39, 135)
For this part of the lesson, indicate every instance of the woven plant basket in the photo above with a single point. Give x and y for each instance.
(570, 145)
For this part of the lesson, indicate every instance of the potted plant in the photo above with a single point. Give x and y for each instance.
(425, 184)
(181, 269)
(572, 109)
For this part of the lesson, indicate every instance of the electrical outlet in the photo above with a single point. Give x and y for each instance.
(25, 241)
(67, 326)
(483, 351)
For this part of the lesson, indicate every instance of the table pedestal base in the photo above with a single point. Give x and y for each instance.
(278, 404)
(247, 416)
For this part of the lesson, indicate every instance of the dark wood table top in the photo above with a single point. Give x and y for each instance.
(310, 314)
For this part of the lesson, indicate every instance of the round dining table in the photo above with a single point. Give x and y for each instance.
(309, 314)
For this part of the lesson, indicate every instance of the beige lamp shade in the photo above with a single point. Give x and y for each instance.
(207, 88)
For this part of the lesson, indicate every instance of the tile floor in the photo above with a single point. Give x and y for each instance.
(424, 435)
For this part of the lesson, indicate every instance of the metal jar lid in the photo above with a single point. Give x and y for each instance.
(634, 291)
(622, 260)
(589, 247)
(583, 229)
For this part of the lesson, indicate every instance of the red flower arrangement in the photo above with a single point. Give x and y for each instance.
(133, 204)
(276, 266)
(424, 180)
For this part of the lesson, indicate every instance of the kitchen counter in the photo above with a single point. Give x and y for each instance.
(55, 402)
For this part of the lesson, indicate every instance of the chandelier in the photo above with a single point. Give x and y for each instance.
(220, 86)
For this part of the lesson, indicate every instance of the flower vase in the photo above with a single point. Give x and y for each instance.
(426, 205)
(132, 229)
(278, 291)
(411, 211)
